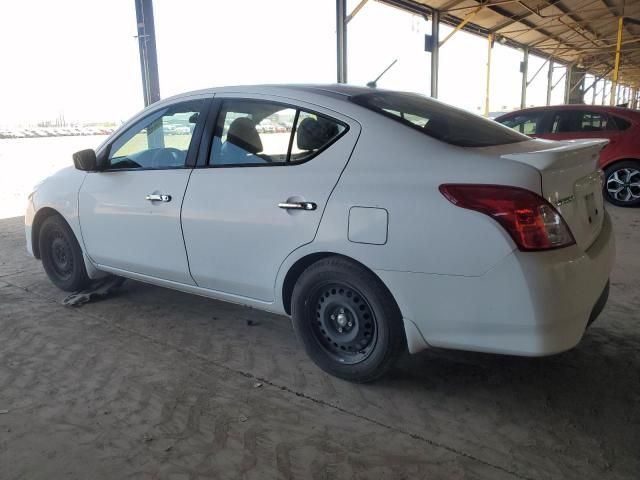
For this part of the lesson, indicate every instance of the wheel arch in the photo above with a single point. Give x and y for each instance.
(619, 160)
(294, 272)
(415, 339)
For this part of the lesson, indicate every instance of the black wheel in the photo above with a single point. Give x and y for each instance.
(622, 183)
(61, 255)
(347, 320)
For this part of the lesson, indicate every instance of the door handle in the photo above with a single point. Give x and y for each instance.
(298, 205)
(157, 197)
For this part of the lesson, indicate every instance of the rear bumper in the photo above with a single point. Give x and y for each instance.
(532, 303)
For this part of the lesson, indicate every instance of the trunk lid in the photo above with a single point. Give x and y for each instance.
(571, 182)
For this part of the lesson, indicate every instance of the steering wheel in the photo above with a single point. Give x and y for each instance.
(177, 157)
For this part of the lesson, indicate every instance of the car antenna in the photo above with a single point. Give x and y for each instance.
(374, 83)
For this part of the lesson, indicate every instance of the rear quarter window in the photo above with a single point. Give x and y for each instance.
(442, 122)
(621, 123)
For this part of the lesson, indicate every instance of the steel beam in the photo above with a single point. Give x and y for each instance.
(435, 52)
(616, 65)
(549, 82)
(462, 24)
(341, 40)
(148, 54)
(488, 89)
(525, 73)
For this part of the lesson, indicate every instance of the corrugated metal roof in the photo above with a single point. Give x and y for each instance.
(578, 32)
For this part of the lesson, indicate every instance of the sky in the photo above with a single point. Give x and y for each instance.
(79, 58)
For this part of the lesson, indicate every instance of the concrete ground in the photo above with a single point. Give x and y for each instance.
(153, 383)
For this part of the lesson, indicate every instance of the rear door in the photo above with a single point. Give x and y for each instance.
(581, 124)
(268, 167)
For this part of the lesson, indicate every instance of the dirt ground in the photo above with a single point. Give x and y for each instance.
(153, 383)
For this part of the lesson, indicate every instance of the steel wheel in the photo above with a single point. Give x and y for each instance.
(623, 185)
(345, 325)
(61, 255)
(349, 323)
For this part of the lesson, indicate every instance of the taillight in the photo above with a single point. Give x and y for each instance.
(532, 222)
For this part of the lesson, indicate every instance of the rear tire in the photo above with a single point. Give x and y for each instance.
(622, 183)
(61, 255)
(349, 323)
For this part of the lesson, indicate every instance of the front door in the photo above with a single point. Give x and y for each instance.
(130, 211)
(269, 174)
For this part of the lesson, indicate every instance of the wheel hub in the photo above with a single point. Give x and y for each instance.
(345, 325)
(61, 256)
(624, 184)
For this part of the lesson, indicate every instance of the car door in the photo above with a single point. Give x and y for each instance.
(569, 124)
(530, 122)
(261, 193)
(130, 210)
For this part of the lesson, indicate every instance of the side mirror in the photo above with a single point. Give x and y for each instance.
(86, 160)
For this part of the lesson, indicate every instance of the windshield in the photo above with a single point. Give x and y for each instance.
(448, 124)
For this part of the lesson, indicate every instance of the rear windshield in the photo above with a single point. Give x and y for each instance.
(440, 121)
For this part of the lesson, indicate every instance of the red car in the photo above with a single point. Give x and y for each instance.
(620, 159)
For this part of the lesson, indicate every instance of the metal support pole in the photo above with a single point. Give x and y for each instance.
(341, 39)
(616, 67)
(549, 82)
(488, 90)
(595, 90)
(525, 72)
(148, 54)
(567, 84)
(435, 51)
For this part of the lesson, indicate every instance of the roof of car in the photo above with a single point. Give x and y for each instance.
(334, 90)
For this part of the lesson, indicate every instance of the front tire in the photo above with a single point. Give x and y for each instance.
(347, 320)
(622, 183)
(62, 256)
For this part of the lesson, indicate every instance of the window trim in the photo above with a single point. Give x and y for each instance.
(216, 110)
(194, 145)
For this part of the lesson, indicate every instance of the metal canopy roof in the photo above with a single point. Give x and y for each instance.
(577, 32)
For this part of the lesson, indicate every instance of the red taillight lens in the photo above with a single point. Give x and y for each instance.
(531, 221)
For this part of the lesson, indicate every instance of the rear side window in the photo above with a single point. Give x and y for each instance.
(447, 124)
(594, 122)
(527, 123)
(564, 122)
(255, 132)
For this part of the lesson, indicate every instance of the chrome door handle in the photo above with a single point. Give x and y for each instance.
(298, 205)
(156, 197)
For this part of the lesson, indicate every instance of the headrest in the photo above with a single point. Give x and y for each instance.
(242, 132)
(314, 134)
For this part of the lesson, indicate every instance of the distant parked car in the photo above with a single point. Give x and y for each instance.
(384, 221)
(620, 159)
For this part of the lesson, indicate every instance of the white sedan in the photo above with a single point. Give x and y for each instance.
(382, 221)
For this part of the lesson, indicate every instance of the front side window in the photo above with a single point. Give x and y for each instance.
(254, 132)
(440, 121)
(528, 124)
(158, 141)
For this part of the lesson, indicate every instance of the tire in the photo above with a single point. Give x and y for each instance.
(61, 255)
(347, 320)
(622, 183)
